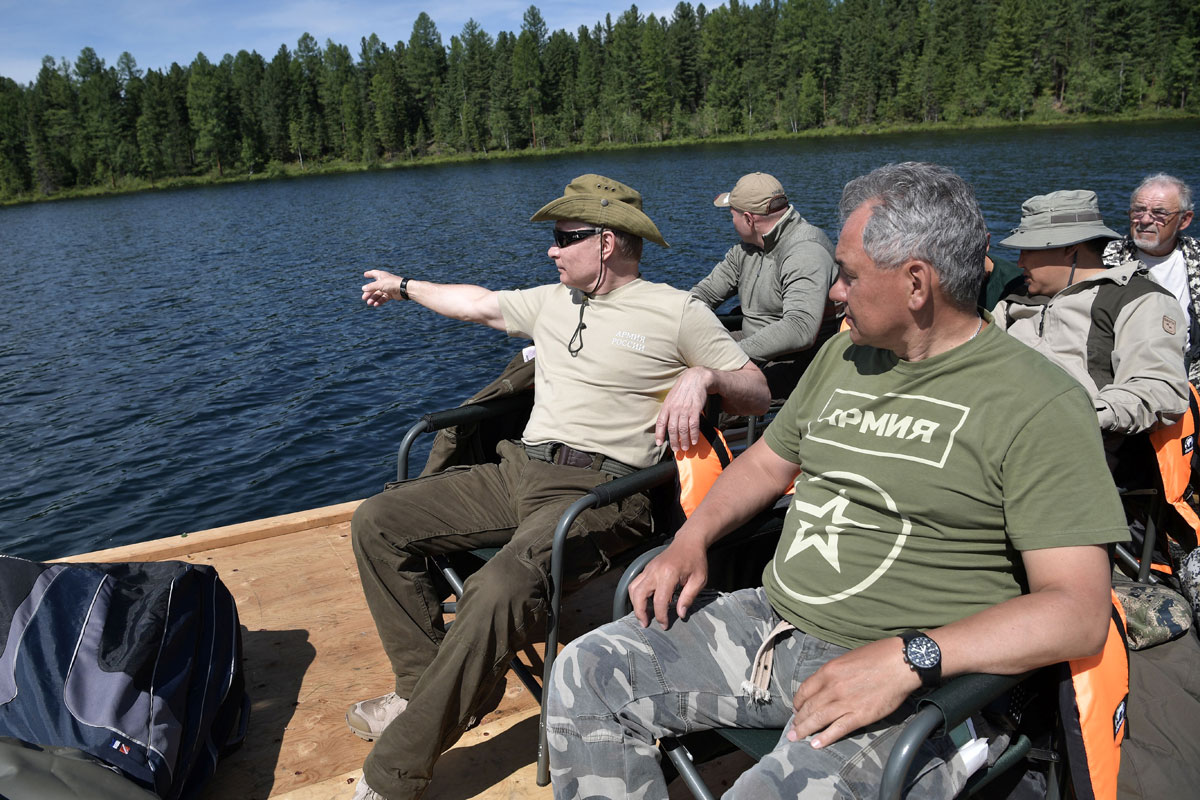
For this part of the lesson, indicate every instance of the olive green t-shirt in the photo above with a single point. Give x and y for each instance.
(922, 481)
(637, 340)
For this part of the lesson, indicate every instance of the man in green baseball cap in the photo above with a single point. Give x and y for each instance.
(1114, 330)
(623, 369)
(781, 271)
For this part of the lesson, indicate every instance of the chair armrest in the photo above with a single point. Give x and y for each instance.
(621, 605)
(602, 495)
(964, 695)
(475, 412)
(634, 482)
(940, 711)
(461, 415)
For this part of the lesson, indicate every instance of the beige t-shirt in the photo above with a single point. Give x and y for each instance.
(637, 341)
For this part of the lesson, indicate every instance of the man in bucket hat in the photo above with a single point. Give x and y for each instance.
(1114, 330)
(781, 271)
(623, 368)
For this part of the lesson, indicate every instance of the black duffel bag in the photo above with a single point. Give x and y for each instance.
(137, 666)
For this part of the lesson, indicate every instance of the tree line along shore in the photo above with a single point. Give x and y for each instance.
(778, 68)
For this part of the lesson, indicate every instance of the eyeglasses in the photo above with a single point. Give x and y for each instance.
(1159, 215)
(564, 238)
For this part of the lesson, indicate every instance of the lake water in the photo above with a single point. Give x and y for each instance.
(175, 361)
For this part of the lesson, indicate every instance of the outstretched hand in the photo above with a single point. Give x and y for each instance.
(384, 286)
(852, 690)
(683, 564)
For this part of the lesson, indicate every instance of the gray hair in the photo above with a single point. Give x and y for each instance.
(1163, 179)
(923, 212)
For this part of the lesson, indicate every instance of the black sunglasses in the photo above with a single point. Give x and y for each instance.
(564, 238)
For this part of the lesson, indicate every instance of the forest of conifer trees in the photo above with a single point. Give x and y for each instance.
(737, 69)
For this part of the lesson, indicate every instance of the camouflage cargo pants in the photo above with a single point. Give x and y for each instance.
(618, 689)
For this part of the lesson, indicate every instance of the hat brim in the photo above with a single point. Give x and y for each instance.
(721, 200)
(1064, 236)
(607, 214)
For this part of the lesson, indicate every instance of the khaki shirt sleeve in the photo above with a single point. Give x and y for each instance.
(521, 307)
(704, 341)
(1000, 315)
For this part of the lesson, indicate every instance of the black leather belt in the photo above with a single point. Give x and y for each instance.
(567, 456)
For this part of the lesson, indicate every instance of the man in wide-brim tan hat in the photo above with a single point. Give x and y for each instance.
(623, 368)
(1114, 330)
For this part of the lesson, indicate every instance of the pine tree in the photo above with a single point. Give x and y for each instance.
(246, 87)
(278, 98)
(15, 177)
(425, 68)
(53, 118)
(208, 101)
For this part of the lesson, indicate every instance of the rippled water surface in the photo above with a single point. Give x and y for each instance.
(174, 361)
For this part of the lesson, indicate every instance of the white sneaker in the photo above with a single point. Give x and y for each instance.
(368, 718)
(364, 792)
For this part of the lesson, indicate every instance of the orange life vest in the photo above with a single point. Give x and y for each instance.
(1092, 704)
(700, 467)
(1175, 447)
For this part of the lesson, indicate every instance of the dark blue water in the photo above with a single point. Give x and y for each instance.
(175, 361)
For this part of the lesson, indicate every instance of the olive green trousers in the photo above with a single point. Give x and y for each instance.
(514, 505)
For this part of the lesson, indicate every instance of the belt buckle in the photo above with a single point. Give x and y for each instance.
(567, 456)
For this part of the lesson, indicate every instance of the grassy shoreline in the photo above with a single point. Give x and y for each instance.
(338, 167)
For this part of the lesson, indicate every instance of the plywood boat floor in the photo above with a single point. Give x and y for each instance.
(311, 650)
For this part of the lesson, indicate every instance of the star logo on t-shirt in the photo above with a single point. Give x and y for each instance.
(819, 525)
(835, 509)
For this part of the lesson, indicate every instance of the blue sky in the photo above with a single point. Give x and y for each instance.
(157, 33)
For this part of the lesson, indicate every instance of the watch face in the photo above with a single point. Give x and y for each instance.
(923, 653)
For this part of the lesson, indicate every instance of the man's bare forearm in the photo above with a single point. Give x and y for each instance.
(743, 391)
(1058, 620)
(464, 301)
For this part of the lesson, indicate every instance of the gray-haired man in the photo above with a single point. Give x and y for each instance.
(1160, 208)
(925, 448)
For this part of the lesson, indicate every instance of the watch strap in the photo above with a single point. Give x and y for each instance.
(404, 289)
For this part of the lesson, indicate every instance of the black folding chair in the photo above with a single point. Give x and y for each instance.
(660, 475)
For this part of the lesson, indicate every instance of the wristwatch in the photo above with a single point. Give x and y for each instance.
(923, 656)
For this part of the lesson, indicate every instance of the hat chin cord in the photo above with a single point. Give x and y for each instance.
(576, 343)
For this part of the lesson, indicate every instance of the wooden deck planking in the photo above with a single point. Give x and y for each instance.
(311, 650)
